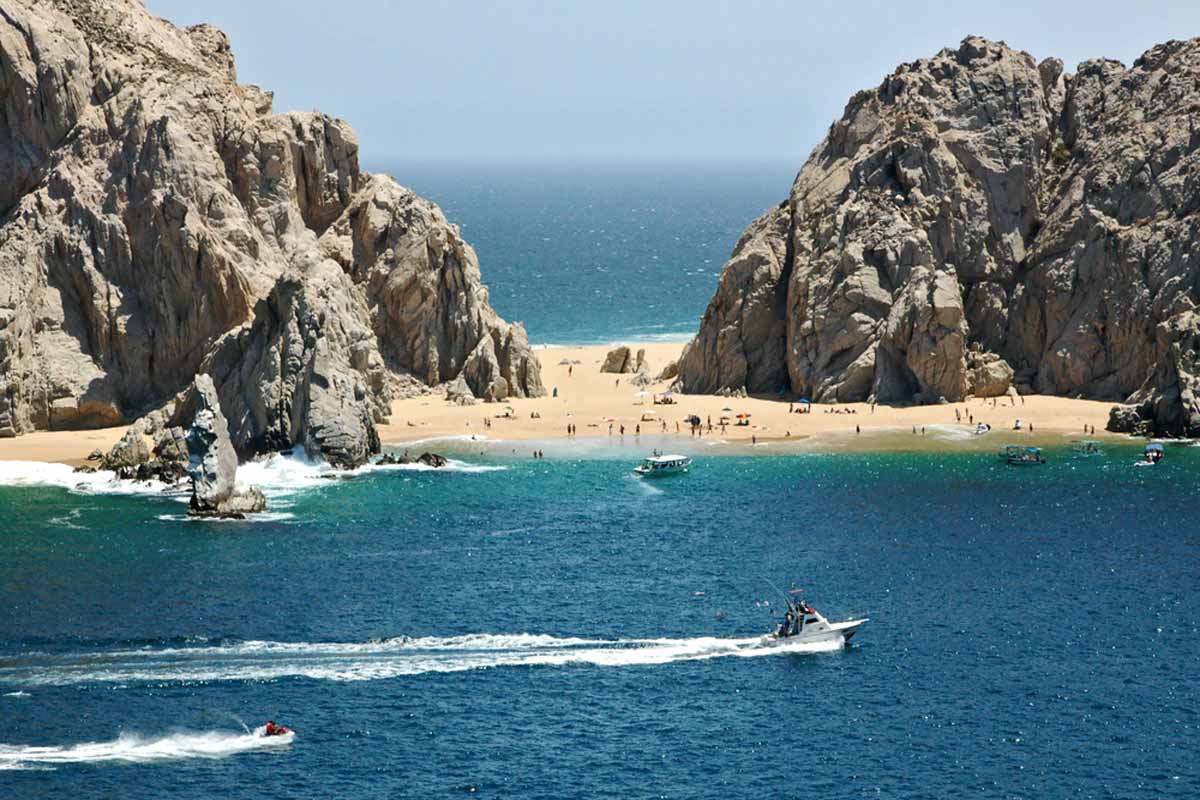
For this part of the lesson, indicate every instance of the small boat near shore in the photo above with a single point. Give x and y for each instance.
(657, 465)
(1153, 454)
(1022, 455)
(1086, 448)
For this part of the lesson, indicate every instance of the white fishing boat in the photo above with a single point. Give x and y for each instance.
(803, 624)
(659, 464)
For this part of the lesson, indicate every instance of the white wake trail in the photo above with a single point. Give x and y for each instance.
(133, 749)
(376, 660)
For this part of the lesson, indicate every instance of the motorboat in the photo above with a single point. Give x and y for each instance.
(658, 464)
(982, 428)
(803, 624)
(1153, 454)
(1086, 448)
(1021, 455)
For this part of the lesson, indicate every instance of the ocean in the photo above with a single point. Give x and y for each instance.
(518, 628)
(557, 628)
(598, 253)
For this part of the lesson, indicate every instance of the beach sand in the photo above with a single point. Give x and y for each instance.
(592, 400)
(65, 447)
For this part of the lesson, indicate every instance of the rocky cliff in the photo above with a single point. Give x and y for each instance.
(980, 219)
(157, 220)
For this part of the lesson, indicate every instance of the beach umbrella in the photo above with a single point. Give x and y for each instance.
(806, 401)
(727, 410)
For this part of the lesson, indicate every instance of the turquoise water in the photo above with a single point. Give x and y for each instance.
(595, 253)
(556, 628)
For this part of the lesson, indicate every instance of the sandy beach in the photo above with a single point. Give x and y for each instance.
(595, 402)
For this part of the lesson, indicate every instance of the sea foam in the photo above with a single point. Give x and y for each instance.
(135, 749)
(378, 659)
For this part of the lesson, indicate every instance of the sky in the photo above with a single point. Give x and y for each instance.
(628, 79)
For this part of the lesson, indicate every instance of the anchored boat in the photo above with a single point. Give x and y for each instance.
(1086, 448)
(658, 464)
(1022, 455)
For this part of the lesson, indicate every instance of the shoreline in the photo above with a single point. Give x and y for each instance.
(592, 401)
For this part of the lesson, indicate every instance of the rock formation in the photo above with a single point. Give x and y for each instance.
(213, 461)
(981, 220)
(618, 360)
(158, 220)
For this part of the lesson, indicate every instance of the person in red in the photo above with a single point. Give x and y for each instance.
(275, 730)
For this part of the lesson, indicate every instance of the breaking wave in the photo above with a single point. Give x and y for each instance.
(372, 660)
(41, 473)
(276, 475)
(133, 749)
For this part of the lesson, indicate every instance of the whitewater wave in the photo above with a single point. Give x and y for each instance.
(41, 473)
(280, 475)
(372, 660)
(276, 475)
(261, 516)
(134, 749)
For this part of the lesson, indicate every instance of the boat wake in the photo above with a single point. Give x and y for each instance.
(133, 749)
(373, 660)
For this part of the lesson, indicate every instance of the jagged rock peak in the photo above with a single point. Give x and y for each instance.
(979, 202)
(158, 219)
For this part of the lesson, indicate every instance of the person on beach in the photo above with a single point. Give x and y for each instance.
(570, 371)
(857, 429)
(610, 429)
(637, 430)
(753, 439)
(622, 430)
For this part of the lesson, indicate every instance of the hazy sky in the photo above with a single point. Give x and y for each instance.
(699, 79)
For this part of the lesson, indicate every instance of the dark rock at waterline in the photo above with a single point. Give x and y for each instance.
(213, 461)
(129, 451)
(1128, 419)
(432, 460)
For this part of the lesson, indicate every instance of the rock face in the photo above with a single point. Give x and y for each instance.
(618, 360)
(158, 220)
(213, 461)
(981, 218)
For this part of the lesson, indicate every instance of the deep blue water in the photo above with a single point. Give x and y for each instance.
(594, 253)
(1033, 633)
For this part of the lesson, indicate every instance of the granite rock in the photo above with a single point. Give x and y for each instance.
(158, 220)
(980, 200)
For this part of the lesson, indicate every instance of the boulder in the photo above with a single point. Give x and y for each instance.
(170, 444)
(129, 451)
(617, 361)
(432, 460)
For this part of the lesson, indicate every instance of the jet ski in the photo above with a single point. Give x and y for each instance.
(271, 729)
(803, 624)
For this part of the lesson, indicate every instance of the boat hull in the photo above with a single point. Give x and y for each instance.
(843, 631)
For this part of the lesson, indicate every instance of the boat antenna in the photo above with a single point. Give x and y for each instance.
(782, 594)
